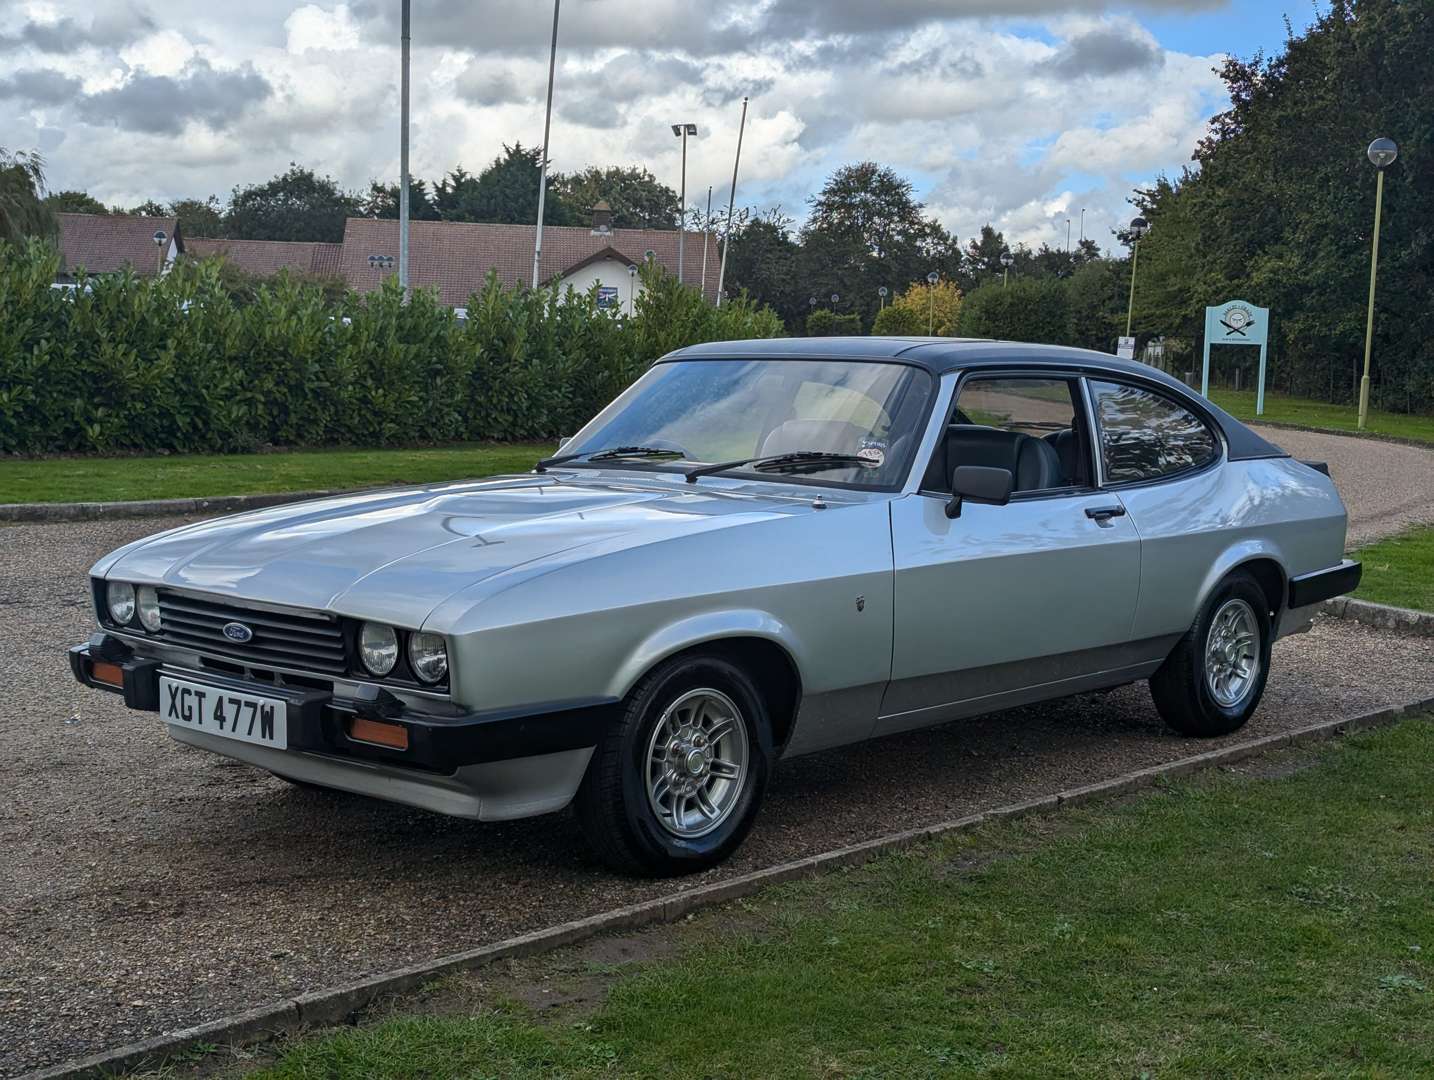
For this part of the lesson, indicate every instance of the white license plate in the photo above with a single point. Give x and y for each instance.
(230, 713)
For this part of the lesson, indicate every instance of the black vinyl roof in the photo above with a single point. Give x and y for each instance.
(942, 355)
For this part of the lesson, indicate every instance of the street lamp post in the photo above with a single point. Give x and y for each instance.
(1082, 224)
(931, 280)
(547, 135)
(1068, 236)
(631, 287)
(1007, 261)
(1382, 153)
(682, 131)
(160, 237)
(882, 292)
(1138, 228)
(403, 96)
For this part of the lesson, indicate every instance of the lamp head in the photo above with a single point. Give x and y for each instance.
(1382, 153)
(160, 236)
(1007, 259)
(932, 278)
(1139, 227)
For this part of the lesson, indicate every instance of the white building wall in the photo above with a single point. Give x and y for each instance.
(609, 273)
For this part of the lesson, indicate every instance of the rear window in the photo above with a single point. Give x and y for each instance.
(1146, 436)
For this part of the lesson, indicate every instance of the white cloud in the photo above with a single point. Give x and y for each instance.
(1015, 123)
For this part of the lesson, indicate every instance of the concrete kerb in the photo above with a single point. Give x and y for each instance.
(1372, 436)
(336, 1005)
(1381, 616)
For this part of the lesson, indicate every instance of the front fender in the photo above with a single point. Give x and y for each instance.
(700, 629)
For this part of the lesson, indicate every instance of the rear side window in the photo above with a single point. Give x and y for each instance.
(1144, 436)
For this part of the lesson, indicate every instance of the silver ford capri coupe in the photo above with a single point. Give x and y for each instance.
(760, 550)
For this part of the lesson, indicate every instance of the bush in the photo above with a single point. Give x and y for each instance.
(1028, 309)
(922, 309)
(179, 363)
(824, 323)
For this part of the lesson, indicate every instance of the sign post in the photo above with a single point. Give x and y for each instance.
(1236, 322)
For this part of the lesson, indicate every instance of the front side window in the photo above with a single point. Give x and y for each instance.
(709, 411)
(1027, 425)
(1144, 435)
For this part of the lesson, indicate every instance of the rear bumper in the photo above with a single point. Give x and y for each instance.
(1325, 584)
(320, 722)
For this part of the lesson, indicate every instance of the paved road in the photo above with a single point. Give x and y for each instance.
(145, 886)
(1387, 487)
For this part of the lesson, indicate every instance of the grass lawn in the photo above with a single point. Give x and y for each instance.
(1273, 921)
(181, 476)
(1399, 571)
(1292, 410)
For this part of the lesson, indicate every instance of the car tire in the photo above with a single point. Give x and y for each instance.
(690, 715)
(1213, 679)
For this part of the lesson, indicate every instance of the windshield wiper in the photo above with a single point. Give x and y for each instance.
(608, 455)
(796, 461)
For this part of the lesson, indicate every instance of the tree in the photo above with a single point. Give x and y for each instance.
(148, 208)
(506, 191)
(22, 209)
(922, 309)
(1280, 209)
(74, 202)
(382, 201)
(198, 217)
(295, 205)
(764, 261)
(866, 230)
(637, 198)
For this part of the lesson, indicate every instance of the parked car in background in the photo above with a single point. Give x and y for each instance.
(759, 550)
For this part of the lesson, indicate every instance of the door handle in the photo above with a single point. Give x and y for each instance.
(1102, 514)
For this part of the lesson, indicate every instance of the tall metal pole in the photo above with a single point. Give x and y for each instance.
(706, 231)
(547, 129)
(1369, 319)
(1068, 236)
(1082, 224)
(403, 156)
(682, 199)
(731, 202)
(1130, 307)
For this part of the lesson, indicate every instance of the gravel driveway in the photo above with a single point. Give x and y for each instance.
(1386, 486)
(145, 886)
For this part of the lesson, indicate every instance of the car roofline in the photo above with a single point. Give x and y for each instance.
(942, 356)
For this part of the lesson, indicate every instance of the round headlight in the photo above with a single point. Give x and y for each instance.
(120, 596)
(428, 655)
(378, 647)
(147, 600)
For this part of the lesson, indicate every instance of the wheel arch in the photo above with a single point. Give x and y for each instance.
(758, 642)
(1261, 560)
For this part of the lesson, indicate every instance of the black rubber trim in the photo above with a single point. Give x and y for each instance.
(1324, 584)
(319, 722)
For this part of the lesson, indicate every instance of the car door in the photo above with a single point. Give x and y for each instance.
(1005, 604)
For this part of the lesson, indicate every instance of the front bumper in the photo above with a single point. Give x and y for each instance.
(321, 722)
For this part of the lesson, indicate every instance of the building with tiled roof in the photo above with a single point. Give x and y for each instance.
(453, 256)
(456, 256)
(105, 243)
(264, 257)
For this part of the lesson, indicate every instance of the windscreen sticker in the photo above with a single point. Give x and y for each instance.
(874, 451)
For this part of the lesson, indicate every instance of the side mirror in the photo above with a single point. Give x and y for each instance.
(980, 484)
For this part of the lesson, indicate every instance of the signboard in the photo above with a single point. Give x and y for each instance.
(1237, 322)
(1125, 349)
(608, 296)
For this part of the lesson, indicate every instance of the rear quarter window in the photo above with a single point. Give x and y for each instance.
(1146, 436)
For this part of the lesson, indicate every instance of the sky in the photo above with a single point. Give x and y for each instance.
(1014, 113)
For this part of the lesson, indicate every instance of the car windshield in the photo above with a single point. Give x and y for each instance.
(709, 411)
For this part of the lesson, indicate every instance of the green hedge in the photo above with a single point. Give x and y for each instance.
(178, 364)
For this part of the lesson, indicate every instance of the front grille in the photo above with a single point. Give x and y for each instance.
(285, 639)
